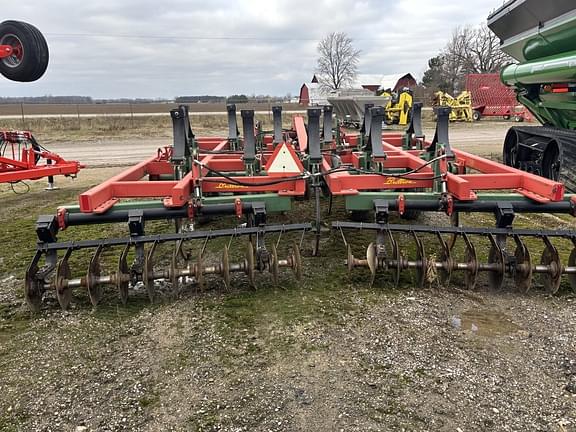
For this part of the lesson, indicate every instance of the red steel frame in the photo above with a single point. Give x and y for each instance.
(486, 175)
(177, 193)
(25, 166)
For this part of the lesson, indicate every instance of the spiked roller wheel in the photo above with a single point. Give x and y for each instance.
(496, 257)
(421, 262)
(63, 292)
(296, 261)
(550, 258)
(445, 272)
(250, 271)
(148, 272)
(123, 275)
(33, 287)
(471, 273)
(199, 272)
(372, 260)
(523, 270)
(572, 263)
(92, 284)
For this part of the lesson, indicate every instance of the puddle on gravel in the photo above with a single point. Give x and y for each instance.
(484, 322)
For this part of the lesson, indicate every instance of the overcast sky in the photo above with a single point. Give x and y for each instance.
(150, 48)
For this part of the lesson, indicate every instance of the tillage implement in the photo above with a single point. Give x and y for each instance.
(259, 175)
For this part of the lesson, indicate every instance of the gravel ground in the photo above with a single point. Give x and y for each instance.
(352, 359)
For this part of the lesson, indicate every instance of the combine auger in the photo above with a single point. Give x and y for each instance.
(260, 173)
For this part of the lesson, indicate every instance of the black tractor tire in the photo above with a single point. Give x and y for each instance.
(476, 115)
(518, 118)
(30, 58)
(506, 117)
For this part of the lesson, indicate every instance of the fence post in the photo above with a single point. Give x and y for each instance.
(22, 112)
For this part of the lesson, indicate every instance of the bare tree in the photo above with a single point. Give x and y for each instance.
(470, 50)
(337, 62)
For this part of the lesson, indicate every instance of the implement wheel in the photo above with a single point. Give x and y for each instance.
(476, 115)
(29, 58)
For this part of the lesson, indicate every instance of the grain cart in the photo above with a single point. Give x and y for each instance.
(541, 36)
(259, 185)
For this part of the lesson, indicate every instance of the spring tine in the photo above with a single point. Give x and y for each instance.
(343, 236)
(249, 254)
(148, 272)
(33, 287)
(225, 268)
(206, 240)
(471, 273)
(551, 258)
(92, 284)
(231, 238)
(279, 237)
(523, 269)
(496, 256)
(296, 261)
(421, 259)
(372, 261)
(301, 240)
(274, 269)
(445, 272)
(123, 275)
(63, 292)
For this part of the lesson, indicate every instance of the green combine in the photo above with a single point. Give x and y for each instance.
(541, 36)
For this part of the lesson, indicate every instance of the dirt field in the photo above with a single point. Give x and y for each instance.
(325, 354)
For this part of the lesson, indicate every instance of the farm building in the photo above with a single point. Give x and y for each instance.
(312, 94)
(374, 83)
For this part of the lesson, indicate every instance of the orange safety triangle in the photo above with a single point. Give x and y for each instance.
(284, 162)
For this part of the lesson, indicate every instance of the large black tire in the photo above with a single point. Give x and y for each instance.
(30, 57)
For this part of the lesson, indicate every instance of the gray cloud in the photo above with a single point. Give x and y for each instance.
(149, 49)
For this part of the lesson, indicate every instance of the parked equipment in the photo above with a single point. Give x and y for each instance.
(398, 108)
(461, 106)
(254, 176)
(24, 57)
(22, 158)
(491, 98)
(540, 36)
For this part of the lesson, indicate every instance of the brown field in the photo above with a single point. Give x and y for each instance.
(115, 109)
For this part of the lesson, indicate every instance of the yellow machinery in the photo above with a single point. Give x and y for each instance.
(398, 108)
(461, 105)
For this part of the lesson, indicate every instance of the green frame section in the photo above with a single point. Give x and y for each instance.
(365, 200)
(274, 203)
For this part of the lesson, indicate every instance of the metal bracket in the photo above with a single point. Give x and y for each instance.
(381, 211)
(47, 228)
(375, 135)
(259, 212)
(314, 149)
(183, 136)
(504, 214)
(277, 117)
(327, 124)
(249, 138)
(136, 222)
(441, 137)
(365, 130)
(232, 126)
(414, 133)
